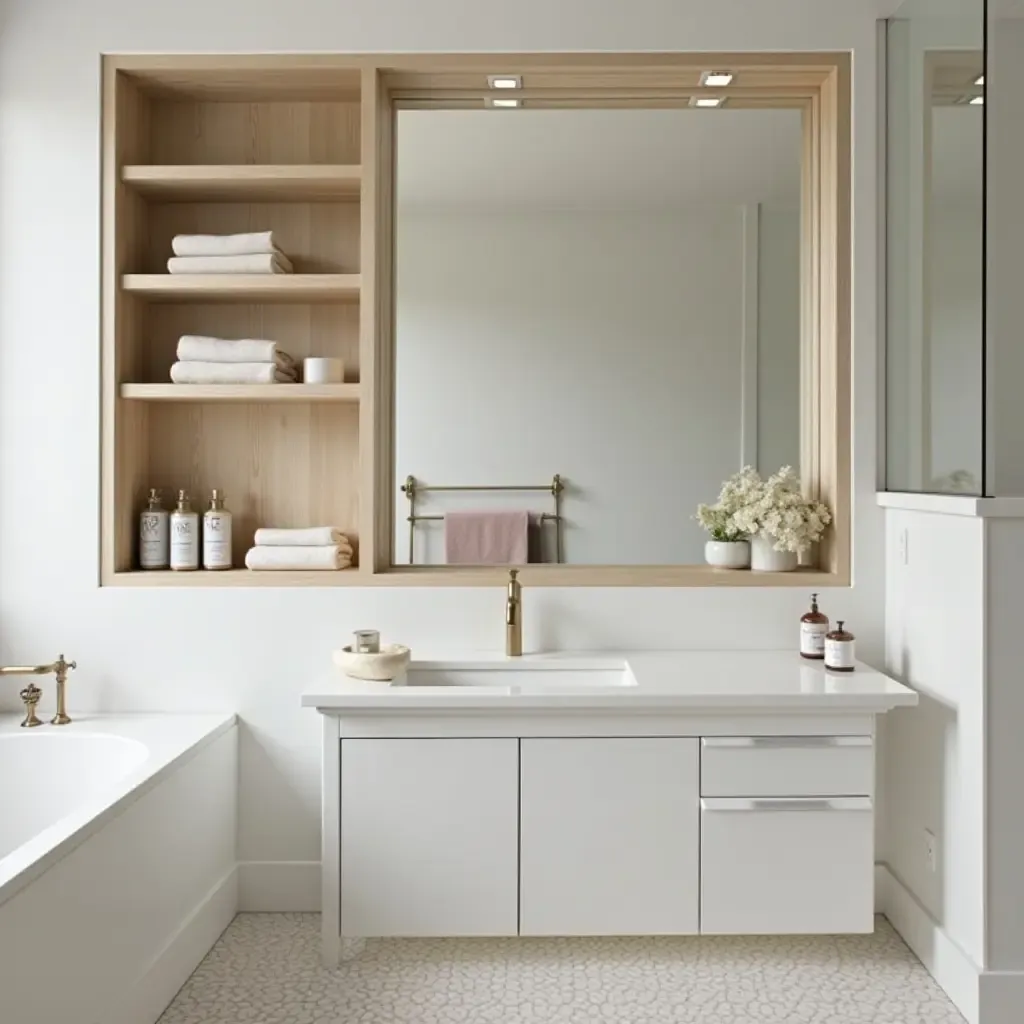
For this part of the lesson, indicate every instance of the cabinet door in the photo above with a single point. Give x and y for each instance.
(609, 836)
(787, 866)
(429, 837)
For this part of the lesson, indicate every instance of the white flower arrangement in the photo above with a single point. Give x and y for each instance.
(777, 508)
(738, 491)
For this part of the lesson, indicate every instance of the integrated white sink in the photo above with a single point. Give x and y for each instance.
(521, 676)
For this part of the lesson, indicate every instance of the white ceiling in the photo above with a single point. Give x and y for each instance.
(586, 158)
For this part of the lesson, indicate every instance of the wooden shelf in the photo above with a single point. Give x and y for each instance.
(244, 287)
(241, 392)
(239, 578)
(300, 183)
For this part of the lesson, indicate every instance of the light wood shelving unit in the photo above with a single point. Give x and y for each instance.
(304, 145)
(215, 147)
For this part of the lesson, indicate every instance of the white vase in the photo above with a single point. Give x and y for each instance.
(727, 554)
(764, 557)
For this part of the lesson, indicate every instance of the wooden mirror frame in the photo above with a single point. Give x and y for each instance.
(817, 84)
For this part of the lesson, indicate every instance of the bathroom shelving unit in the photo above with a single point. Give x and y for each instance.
(222, 145)
(303, 144)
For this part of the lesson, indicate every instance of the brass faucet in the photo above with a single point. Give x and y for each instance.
(31, 694)
(514, 616)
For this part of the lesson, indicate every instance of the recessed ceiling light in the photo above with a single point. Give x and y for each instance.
(501, 104)
(707, 102)
(505, 81)
(980, 80)
(977, 101)
(716, 79)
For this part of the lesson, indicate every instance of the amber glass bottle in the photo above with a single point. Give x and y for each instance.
(839, 649)
(813, 627)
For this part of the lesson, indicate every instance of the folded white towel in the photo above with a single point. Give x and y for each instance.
(196, 348)
(260, 559)
(256, 263)
(306, 537)
(230, 373)
(223, 245)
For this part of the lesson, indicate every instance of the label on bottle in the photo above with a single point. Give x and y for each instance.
(839, 654)
(217, 540)
(185, 541)
(154, 539)
(812, 638)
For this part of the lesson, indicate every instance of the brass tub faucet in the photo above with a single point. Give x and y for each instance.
(31, 694)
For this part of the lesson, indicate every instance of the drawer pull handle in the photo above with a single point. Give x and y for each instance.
(786, 742)
(853, 803)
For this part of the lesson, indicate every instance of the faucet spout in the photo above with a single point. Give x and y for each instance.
(31, 694)
(514, 616)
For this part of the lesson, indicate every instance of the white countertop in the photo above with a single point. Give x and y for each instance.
(705, 681)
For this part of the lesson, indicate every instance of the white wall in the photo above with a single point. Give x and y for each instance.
(933, 778)
(604, 345)
(778, 338)
(254, 651)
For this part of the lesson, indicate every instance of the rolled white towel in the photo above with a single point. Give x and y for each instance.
(230, 373)
(267, 559)
(197, 348)
(256, 263)
(303, 537)
(223, 245)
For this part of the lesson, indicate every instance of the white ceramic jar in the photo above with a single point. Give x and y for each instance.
(727, 554)
(764, 557)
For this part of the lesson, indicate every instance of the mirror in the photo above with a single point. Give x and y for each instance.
(612, 296)
(935, 346)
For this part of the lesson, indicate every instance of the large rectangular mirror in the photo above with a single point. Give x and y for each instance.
(597, 320)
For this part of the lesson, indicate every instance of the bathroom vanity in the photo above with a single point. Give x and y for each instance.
(654, 794)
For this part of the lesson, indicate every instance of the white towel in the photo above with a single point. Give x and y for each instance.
(257, 263)
(230, 373)
(223, 245)
(196, 348)
(307, 537)
(260, 559)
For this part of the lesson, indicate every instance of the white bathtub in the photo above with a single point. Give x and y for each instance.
(117, 862)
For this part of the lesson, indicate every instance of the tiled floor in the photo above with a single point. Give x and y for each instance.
(266, 970)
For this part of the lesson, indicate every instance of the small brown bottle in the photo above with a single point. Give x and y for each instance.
(839, 649)
(813, 627)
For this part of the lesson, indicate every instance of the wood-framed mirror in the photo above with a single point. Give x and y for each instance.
(530, 209)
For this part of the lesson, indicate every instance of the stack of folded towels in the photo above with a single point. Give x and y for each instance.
(316, 547)
(253, 253)
(223, 361)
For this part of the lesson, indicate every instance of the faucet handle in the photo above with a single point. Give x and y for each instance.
(512, 574)
(31, 695)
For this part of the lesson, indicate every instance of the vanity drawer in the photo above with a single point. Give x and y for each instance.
(787, 866)
(786, 766)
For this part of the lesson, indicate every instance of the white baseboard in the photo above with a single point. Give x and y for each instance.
(954, 970)
(276, 886)
(152, 992)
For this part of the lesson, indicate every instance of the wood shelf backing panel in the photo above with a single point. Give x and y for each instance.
(241, 392)
(240, 578)
(318, 238)
(235, 132)
(245, 182)
(279, 464)
(300, 330)
(252, 288)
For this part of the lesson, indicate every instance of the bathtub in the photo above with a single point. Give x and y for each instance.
(117, 862)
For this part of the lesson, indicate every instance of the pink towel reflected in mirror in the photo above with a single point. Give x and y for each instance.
(486, 538)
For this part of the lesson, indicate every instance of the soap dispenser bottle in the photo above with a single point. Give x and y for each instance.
(839, 650)
(813, 627)
(217, 534)
(184, 536)
(154, 534)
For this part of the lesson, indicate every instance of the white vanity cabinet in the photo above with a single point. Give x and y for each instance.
(609, 836)
(429, 837)
(690, 793)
